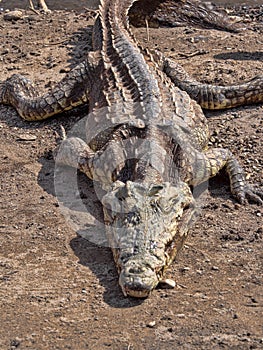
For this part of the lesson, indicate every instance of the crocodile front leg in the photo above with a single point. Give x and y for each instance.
(72, 91)
(103, 166)
(200, 166)
(74, 152)
(209, 163)
(212, 96)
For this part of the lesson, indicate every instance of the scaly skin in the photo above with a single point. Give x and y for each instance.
(147, 143)
(174, 13)
(72, 91)
(215, 97)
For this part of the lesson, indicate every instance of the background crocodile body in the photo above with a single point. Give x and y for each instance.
(147, 142)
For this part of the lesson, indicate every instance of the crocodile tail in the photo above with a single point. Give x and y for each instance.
(126, 69)
(173, 13)
(119, 9)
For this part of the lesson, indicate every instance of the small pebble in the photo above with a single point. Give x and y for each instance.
(5, 51)
(215, 268)
(167, 284)
(151, 324)
(185, 269)
(26, 137)
(13, 15)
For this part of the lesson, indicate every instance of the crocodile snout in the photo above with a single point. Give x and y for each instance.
(137, 280)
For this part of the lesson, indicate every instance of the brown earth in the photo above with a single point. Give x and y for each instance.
(58, 290)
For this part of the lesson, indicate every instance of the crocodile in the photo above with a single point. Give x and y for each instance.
(146, 142)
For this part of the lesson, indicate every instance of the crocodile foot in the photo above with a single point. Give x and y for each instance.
(250, 193)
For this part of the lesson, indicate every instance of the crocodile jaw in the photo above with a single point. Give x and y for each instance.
(138, 276)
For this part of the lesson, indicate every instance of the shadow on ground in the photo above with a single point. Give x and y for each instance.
(240, 56)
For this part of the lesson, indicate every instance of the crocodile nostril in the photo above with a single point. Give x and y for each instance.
(135, 270)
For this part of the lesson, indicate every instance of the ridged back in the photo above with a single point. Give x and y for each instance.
(128, 75)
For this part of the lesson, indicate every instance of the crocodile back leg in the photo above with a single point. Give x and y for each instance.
(72, 91)
(212, 96)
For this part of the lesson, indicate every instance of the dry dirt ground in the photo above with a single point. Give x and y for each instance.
(58, 290)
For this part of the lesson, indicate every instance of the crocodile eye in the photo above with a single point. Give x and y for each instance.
(154, 190)
(173, 200)
(167, 204)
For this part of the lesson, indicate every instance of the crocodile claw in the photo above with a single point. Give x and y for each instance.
(250, 194)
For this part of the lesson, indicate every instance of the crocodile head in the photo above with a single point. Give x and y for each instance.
(146, 226)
